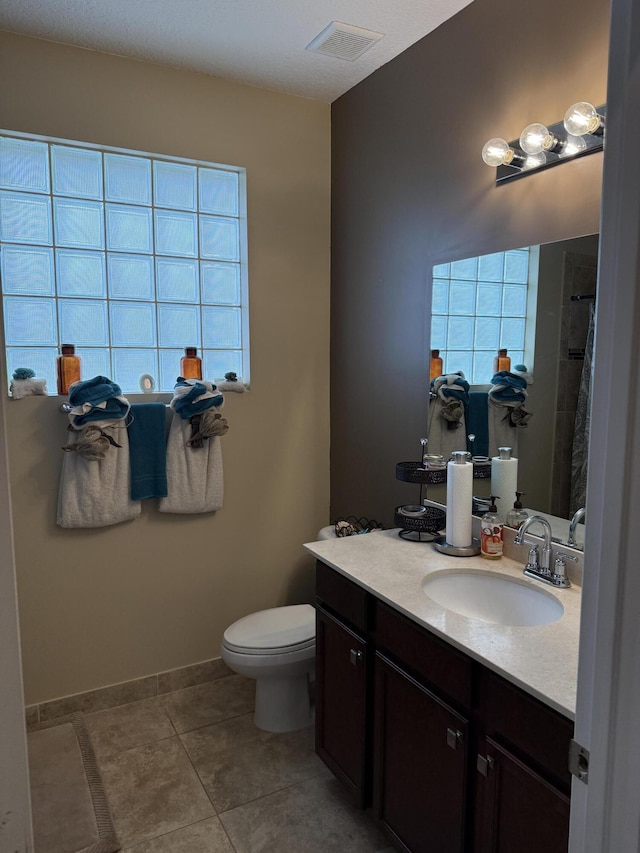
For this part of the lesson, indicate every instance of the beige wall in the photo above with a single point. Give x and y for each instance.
(103, 606)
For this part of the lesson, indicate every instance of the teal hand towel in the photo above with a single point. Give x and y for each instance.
(148, 451)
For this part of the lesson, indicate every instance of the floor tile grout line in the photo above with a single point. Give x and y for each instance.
(100, 758)
(269, 794)
(171, 832)
(224, 829)
(195, 770)
(215, 723)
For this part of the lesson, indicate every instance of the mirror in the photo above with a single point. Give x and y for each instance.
(555, 323)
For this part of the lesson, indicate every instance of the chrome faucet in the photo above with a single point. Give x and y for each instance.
(539, 562)
(542, 560)
(578, 516)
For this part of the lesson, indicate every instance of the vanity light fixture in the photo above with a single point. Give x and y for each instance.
(540, 147)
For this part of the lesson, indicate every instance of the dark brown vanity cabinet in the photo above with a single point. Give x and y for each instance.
(451, 757)
(522, 781)
(343, 729)
(421, 748)
(421, 744)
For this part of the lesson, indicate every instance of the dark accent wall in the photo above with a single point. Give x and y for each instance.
(410, 190)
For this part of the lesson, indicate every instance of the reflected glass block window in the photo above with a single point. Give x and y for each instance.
(479, 305)
(131, 257)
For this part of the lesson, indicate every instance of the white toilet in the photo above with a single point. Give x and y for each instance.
(276, 647)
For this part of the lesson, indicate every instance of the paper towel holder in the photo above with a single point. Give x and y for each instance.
(441, 544)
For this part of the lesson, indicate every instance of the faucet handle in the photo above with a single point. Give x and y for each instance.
(532, 562)
(559, 576)
(567, 557)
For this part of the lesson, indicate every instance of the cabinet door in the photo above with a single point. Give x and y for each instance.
(517, 808)
(341, 703)
(420, 764)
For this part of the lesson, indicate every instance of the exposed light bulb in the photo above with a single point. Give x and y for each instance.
(497, 152)
(582, 118)
(535, 138)
(575, 144)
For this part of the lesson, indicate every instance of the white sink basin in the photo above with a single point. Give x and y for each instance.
(491, 597)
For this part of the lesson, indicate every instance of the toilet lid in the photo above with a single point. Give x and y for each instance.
(284, 628)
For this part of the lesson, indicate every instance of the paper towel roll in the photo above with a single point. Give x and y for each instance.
(458, 531)
(504, 482)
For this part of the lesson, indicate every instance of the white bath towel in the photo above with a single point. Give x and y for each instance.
(501, 433)
(97, 493)
(194, 474)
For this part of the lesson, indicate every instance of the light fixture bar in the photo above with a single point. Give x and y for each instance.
(563, 147)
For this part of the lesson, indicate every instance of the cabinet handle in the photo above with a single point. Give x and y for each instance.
(454, 737)
(355, 656)
(484, 764)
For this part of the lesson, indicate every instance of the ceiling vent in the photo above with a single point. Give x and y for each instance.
(343, 41)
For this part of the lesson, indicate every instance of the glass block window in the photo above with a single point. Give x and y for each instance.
(479, 305)
(130, 256)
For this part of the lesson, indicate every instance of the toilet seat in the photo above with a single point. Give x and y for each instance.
(277, 630)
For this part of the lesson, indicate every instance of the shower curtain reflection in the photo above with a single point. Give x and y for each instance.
(579, 455)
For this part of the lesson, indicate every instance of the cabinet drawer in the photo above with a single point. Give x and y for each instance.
(425, 656)
(341, 596)
(529, 727)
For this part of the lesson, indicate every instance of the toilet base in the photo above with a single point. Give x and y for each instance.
(283, 704)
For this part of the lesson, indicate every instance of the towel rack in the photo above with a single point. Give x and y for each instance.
(66, 408)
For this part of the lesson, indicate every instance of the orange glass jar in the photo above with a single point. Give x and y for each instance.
(435, 364)
(190, 364)
(501, 361)
(67, 368)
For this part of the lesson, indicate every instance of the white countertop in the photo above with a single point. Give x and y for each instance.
(542, 660)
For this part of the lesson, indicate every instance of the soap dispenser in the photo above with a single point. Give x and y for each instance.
(516, 516)
(491, 532)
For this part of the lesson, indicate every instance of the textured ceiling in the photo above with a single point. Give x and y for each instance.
(259, 42)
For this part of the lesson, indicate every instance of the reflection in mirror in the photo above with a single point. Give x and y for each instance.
(541, 309)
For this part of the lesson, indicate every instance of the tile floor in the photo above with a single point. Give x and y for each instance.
(188, 772)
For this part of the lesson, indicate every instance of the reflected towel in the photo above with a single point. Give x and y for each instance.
(442, 439)
(502, 433)
(509, 389)
(97, 493)
(451, 386)
(147, 431)
(194, 475)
